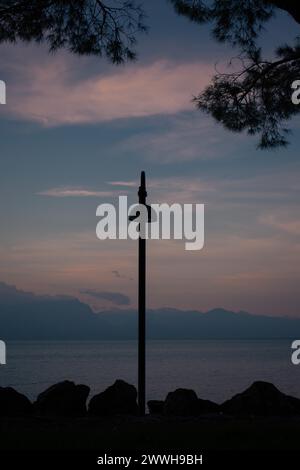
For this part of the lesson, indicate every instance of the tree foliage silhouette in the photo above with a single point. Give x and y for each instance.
(81, 26)
(254, 97)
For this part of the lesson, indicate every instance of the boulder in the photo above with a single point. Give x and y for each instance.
(63, 399)
(262, 399)
(156, 407)
(207, 406)
(295, 403)
(118, 399)
(181, 402)
(13, 403)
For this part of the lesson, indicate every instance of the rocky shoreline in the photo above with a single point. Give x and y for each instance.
(261, 417)
(66, 399)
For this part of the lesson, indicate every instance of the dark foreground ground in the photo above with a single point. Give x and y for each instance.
(150, 433)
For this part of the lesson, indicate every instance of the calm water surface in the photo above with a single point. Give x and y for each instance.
(214, 369)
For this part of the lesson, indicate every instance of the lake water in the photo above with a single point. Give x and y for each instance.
(214, 369)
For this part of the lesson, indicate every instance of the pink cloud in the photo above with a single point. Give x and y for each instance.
(128, 184)
(75, 192)
(281, 222)
(47, 93)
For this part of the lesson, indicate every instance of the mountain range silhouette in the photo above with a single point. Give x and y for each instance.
(26, 316)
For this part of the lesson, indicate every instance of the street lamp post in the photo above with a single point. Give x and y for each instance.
(142, 194)
(142, 308)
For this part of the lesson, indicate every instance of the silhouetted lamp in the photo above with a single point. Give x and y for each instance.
(142, 193)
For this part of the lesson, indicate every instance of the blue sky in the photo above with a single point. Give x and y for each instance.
(79, 123)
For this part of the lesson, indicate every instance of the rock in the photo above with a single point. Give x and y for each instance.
(118, 399)
(156, 407)
(182, 402)
(295, 403)
(63, 399)
(262, 399)
(207, 406)
(13, 403)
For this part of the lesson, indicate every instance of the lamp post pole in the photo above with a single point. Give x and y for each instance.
(142, 193)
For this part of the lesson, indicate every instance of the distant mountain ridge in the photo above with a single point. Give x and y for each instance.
(26, 316)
